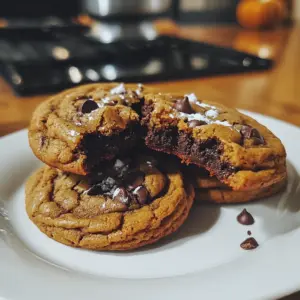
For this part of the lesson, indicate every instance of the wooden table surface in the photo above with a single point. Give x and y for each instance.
(275, 92)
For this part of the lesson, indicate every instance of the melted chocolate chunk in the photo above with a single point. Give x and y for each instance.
(245, 218)
(202, 153)
(135, 180)
(95, 190)
(183, 105)
(106, 186)
(121, 167)
(249, 132)
(249, 244)
(195, 123)
(141, 195)
(249, 232)
(88, 106)
(121, 195)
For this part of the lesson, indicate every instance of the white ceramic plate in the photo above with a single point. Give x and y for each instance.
(203, 260)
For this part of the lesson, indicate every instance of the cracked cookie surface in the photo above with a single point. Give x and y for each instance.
(128, 203)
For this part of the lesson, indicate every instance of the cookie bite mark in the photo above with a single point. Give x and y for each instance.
(97, 147)
(203, 153)
(220, 139)
(77, 129)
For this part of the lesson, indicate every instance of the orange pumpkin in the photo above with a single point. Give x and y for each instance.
(255, 14)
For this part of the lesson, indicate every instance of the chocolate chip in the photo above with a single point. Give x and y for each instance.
(88, 106)
(249, 232)
(141, 194)
(250, 132)
(108, 184)
(121, 195)
(121, 167)
(246, 131)
(195, 123)
(245, 218)
(135, 180)
(183, 105)
(249, 244)
(257, 137)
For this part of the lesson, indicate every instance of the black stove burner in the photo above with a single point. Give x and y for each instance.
(50, 61)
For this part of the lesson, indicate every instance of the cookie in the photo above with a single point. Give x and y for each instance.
(77, 129)
(127, 204)
(223, 195)
(239, 151)
(200, 178)
(80, 127)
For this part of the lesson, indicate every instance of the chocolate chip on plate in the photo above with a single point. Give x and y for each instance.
(141, 194)
(195, 123)
(245, 218)
(88, 106)
(249, 232)
(183, 105)
(249, 244)
(121, 195)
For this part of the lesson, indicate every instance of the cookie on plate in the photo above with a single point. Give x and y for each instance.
(223, 195)
(208, 188)
(239, 151)
(127, 204)
(200, 178)
(80, 127)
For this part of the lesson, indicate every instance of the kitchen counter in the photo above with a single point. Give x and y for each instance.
(275, 92)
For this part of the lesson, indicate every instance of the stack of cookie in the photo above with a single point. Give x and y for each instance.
(106, 186)
(209, 188)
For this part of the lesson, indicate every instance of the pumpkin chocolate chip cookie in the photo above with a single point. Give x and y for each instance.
(80, 127)
(210, 189)
(126, 204)
(239, 151)
(228, 196)
(77, 129)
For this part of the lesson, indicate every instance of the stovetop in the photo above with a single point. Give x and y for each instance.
(42, 61)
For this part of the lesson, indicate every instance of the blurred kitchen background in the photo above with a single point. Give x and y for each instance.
(46, 46)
